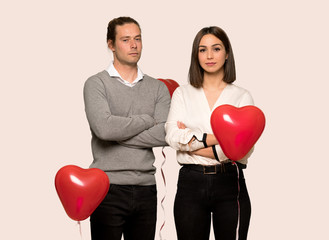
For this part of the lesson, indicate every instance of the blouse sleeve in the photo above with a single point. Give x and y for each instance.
(177, 138)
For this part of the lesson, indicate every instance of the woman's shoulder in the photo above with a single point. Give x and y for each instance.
(237, 89)
(185, 91)
(240, 95)
(187, 88)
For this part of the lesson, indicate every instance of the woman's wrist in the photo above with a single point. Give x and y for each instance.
(204, 140)
(210, 140)
(215, 152)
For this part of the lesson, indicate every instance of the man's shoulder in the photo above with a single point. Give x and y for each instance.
(155, 85)
(151, 81)
(149, 78)
(100, 76)
(99, 79)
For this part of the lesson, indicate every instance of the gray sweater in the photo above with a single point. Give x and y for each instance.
(126, 122)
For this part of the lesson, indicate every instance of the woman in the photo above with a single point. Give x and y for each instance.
(209, 183)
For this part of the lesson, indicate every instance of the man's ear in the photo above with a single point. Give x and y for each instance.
(110, 45)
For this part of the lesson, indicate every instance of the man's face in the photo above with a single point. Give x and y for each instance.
(127, 48)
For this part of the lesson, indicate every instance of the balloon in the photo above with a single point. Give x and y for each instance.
(237, 129)
(171, 85)
(81, 190)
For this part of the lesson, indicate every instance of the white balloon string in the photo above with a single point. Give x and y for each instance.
(238, 202)
(162, 200)
(79, 223)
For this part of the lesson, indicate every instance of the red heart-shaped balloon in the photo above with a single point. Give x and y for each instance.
(171, 85)
(81, 190)
(237, 129)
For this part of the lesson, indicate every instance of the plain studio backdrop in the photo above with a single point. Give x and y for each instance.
(49, 48)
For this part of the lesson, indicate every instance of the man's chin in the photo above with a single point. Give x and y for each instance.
(133, 62)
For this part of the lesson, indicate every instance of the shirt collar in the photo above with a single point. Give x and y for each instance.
(114, 73)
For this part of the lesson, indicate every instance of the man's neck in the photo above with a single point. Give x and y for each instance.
(127, 72)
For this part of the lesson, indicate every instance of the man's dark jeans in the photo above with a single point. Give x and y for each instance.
(127, 209)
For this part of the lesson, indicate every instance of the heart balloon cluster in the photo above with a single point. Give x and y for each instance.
(81, 190)
(237, 129)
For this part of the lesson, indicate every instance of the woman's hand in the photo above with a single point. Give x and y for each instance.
(211, 139)
(181, 125)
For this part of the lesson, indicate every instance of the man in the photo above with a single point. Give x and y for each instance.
(126, 111)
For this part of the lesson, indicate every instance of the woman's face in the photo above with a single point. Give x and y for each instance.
(212, 54)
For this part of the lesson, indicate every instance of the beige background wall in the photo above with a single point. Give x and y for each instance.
(49, 48)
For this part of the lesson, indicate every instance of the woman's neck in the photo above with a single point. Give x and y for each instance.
(213, 81)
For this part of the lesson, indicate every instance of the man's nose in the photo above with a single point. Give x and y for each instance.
(133, 44)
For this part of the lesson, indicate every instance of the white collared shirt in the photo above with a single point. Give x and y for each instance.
(114, 73)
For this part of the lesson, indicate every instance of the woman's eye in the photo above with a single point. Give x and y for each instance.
(202, 50)
(217, 49)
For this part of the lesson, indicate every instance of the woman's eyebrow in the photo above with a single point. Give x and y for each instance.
(212, 45)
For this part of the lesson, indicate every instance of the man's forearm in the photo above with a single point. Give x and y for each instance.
(152, 137)
(103, 123)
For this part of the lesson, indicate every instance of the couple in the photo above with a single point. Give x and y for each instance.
(128, 115)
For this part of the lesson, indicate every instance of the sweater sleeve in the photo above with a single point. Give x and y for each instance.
(103, 123)
(177, 138)
(154, 136)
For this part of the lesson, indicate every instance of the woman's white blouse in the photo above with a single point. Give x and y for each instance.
(190, 106)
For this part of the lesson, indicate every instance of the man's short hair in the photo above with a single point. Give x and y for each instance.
(111, 28)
